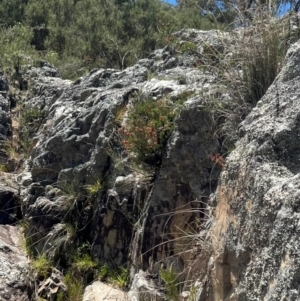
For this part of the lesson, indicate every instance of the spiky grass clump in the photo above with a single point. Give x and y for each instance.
(95, 188)
(42, 266)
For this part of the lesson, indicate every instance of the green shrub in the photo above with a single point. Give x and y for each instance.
(94, 189)
(75, 287)
(171, 284)
(83, 264)
(31, 115)
(119, 276)
(150, 124)
(15, 46)
(42, 266)
(188, 47)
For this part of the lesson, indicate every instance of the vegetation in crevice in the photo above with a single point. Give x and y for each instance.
(42, 266)
(30, 120)
(150, 124)
(24, 126)
(244, 77)
(170, 283)
(116, 34)
(145, 130)
(77, 265)
(73, 254)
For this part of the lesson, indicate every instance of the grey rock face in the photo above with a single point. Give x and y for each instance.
(15, 275)
(146, 217)
(10, 211)
(99, 291)
(144, 288)
(79, 144)
(256, 232)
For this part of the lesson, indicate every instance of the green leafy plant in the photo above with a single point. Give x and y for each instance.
(42, 266)
(83, 264)
(119, 276)
(75, 287)
(94, 189)
(79, 270)
(150, 124)
(188, 47)
(171, 285)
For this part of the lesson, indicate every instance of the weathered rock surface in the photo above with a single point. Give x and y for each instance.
(145, 288)
(154, 219)
(15, 274)
(256, 231)
(79, 144)
(99, 291)
(10, 207)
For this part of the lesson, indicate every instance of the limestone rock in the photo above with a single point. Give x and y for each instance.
(10, 209)
(15, 274)
(78, 144)
(148, 217)
(256, 231)
(99, 291)
(144, 288)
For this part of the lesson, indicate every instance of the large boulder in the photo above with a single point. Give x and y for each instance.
(255, 236)
(79, 145)
(81, 180)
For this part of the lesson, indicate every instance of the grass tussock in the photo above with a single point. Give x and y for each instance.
(42, 266)
(245, 75)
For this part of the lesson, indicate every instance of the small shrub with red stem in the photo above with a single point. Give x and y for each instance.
(150, 124)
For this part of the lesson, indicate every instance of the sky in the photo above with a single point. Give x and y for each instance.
(171, 1)
(283, 8)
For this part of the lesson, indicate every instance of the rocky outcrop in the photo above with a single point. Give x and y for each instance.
(78, 144)
(81, 188)
(16, 282)
(256, 231)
